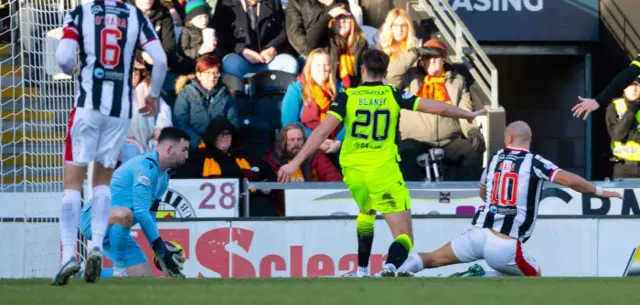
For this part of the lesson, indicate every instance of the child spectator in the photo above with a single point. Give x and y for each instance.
(192, 41)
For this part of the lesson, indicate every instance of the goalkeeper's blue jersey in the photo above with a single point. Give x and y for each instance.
(139, 185)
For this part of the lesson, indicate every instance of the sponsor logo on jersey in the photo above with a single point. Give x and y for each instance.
(175, 205)
(144, 180)
(98, 73)
(96, 9)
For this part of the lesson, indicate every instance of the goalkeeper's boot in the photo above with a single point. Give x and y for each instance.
(362, 272)
(94, 266)
(68, 270)
(388, 270)
(473, 271)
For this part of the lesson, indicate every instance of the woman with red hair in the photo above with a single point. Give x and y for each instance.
(201, 98)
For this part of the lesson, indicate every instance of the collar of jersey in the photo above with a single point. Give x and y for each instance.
(517, 148)
(371, 84)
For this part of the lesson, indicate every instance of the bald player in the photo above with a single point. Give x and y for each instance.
(510, 187)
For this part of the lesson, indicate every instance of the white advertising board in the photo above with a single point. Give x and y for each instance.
(185, 198)
(460, 201)
(327, 248)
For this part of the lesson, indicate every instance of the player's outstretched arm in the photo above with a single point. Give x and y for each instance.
(313, 143)
(581, 185)
(444, 109)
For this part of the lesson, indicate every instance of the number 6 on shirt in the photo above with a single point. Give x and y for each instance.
(110, 55)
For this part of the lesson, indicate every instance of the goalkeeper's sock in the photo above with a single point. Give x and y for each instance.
(399, 250)
(69, 223)
(118, 237)
(100, 209)
(364, 230)
(412, 264)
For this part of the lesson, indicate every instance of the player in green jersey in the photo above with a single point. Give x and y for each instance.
(369, 155)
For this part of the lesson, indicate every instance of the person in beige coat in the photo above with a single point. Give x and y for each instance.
(424, 74)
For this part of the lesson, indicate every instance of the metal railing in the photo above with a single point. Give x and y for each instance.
(466, 48)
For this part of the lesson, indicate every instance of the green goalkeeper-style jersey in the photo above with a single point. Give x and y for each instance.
(370, 113)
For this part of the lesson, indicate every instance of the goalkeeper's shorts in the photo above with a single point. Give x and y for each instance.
(133, 253)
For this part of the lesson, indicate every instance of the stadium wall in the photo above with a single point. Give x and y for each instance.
(326, 247)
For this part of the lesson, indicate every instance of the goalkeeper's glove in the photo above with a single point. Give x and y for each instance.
(169, 258)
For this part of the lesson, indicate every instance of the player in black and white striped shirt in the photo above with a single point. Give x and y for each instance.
(511, 187)
(106, 34)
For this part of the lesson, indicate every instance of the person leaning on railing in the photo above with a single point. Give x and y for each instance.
(623, 122)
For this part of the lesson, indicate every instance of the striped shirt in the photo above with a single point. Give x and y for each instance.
(107, 33)
(513, 182)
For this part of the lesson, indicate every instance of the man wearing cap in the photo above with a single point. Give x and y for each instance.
(623, 124)
(423, 71)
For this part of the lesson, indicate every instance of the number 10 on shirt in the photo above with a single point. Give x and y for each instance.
(507, 184)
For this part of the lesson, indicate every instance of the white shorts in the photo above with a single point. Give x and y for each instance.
(503, 255)
(93, 136)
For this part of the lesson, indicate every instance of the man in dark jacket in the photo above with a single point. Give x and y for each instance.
(251, 37)
(301, 15)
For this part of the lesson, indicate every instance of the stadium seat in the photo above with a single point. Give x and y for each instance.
(270, 82)
(257, 137)
(236, 87)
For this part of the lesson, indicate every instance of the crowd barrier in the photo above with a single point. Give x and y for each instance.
(577, 234)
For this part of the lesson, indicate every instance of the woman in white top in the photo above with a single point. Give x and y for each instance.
(144, 131)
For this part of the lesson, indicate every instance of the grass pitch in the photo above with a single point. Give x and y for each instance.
(344, 291)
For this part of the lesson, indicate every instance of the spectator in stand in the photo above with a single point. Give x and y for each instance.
(192, 39)
(463, 143)
(201, 98)
(251, 37)
(339, 30)
(307, 100)
(302, 15)
(162, 21)
(144, 132)
(219, 156)
(622, 123)
(177, 10)
(396, 36)
(317, 168)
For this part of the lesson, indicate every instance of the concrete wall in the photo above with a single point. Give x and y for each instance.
(541, 91)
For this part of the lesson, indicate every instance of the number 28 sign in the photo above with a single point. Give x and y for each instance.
(189, 198)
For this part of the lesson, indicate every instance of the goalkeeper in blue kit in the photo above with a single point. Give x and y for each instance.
(137, 187)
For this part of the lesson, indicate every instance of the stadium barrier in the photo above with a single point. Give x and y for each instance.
(595, 237)
(327, 246)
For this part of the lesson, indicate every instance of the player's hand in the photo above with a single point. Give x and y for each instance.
(285, 172)
(610, 194)
(586, 106)
(150, 106)
(147, 58)
(170, 259)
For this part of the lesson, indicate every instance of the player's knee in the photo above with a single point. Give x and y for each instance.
(101, 175)
(74, 176)
(121, 216)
